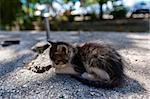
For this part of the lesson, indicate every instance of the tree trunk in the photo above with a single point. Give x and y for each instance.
(28, 9)
(101, 11)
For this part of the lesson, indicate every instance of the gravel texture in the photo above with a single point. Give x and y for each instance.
(16, 82)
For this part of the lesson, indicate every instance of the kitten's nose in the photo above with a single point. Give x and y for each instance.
(61, 63)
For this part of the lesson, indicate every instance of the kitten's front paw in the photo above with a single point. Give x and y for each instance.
(88, 76)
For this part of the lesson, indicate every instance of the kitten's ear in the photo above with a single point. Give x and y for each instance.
(62, 48)
(51, 43)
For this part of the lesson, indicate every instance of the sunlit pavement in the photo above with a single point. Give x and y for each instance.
(16, 82)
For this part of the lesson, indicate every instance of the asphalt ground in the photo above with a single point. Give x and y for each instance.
(16, 82)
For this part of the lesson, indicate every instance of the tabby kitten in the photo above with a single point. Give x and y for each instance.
(93, 64)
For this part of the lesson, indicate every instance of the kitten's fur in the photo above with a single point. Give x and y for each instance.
(97, 64)
(93, 64)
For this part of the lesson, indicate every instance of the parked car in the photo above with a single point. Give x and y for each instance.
(140, 10)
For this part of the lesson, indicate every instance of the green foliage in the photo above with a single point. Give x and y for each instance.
(103, 1)
(119, 12)
(89, 2)
(9, 10)
(45, 1)
(13, 12)
(100, 2)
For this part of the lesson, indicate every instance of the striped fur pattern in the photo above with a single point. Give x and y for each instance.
(94, 64)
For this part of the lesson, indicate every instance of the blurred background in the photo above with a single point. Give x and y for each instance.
(75, 15)
(123, 24)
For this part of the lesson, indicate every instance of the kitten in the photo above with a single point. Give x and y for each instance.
(97, 64)
(94, 64)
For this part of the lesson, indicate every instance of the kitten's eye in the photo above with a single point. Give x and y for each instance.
(56, 53)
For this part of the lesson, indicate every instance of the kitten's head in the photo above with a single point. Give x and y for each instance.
(61, 52)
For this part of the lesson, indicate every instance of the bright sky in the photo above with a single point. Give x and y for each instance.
(131, 2)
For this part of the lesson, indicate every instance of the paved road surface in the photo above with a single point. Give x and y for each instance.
(16, 82)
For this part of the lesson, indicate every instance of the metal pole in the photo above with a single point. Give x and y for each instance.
(47, 27)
